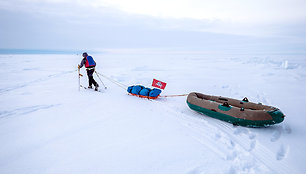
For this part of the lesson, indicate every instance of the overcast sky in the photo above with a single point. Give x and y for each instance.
(77, 24)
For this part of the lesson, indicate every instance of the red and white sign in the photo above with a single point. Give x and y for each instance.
(159, 84)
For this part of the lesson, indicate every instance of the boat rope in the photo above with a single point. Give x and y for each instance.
(178, 95)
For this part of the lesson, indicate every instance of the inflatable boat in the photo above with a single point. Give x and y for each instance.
(237, 112)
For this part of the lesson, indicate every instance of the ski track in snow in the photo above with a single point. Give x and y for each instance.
(25, 110)
(34, 81)
(246, 153)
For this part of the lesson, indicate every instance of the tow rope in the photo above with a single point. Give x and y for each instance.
(123, 86)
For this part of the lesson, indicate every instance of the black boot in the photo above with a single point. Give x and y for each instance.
(97, 86)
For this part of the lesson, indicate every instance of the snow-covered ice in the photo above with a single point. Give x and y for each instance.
(48, 126)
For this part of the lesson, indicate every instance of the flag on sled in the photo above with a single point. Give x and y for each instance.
(159, 84)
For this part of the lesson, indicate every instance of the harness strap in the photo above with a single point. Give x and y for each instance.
(90, 68)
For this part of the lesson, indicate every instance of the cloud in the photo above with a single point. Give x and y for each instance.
(235, 11)
(91, 24)
(241, 11)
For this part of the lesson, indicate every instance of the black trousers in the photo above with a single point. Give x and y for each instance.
(90, 77)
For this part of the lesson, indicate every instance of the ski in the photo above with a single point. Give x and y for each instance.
(91, 89)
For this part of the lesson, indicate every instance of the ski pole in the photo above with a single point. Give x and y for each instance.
(100, 80)
(79, 77)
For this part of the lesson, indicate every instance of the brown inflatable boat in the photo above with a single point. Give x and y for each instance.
(237, 112)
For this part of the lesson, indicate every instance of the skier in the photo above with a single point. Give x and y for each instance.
(90, 64)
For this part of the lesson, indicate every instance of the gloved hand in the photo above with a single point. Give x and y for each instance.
(78, 66)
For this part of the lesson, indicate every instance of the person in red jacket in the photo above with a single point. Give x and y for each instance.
(90, 65)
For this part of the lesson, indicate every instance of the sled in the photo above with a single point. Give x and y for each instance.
(143, 92)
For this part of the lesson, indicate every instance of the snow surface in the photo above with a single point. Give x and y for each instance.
(48, 126)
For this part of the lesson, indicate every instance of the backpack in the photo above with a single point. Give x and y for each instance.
(90, 62)
(154, 92)
(145, 92)
(137, 89)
